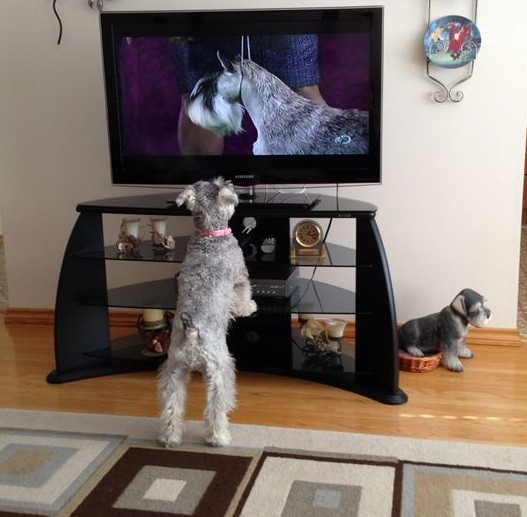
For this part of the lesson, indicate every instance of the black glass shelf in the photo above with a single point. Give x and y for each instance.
(298, 360)
(128, 348)
(337, 255)
(163, 204)
(308, 296)
(155, 294)
(145, 253)
(320, 298)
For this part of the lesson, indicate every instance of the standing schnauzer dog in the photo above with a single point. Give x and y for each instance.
(446, 331)
(286, 122)
(213, 288)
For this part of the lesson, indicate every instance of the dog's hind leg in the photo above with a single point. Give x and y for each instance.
(409, 337)
(172, 389)
(416, 352)
(220, 378)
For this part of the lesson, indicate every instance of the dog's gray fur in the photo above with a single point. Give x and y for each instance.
(446, 331)
(287, 123)
(213, 288)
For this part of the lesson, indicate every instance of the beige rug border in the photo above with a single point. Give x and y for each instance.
(258, 437)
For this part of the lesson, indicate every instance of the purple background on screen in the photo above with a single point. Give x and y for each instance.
(151, 99)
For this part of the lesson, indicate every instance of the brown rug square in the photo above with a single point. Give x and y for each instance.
(166, 482)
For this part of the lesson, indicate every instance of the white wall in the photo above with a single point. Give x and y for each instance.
(449, 205)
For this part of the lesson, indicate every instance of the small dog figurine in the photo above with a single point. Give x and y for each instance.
(213, 288)
(446, 331)
(287, 123)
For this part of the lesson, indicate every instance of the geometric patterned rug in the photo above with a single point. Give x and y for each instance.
(293, 485)
(266, 472)
(40, 471)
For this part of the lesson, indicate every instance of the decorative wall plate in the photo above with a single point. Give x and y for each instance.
(452, 41)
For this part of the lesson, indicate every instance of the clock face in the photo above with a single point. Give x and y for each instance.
(308, 234)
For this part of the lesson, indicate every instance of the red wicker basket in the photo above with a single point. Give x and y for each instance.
(409, 363)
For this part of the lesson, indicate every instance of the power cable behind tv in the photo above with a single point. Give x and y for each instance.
(59, 20)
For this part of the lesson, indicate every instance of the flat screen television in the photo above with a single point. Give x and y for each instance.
(309, 81)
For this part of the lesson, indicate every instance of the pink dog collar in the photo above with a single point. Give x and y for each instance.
(220, 232)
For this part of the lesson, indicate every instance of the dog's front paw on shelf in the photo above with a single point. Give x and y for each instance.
(246, 308)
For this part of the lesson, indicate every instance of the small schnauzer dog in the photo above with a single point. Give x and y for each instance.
(286, 122)
(446, 331)
(213, 288)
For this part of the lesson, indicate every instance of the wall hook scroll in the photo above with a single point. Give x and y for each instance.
(448, 93)
(451, 42)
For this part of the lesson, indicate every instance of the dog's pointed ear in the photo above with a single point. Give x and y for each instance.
(227, 64)
(226, 193)
(187, 197)
(458, 304)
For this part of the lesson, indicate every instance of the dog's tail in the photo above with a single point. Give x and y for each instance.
(191, 332)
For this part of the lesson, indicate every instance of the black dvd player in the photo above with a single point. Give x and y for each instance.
(273, 282)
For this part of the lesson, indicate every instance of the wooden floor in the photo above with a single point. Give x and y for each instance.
(486, 403)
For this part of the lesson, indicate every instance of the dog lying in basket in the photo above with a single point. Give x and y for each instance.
(445, 331)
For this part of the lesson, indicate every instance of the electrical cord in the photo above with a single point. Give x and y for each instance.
(59, 20)
(311, 282)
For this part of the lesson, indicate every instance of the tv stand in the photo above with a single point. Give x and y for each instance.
(265, 342)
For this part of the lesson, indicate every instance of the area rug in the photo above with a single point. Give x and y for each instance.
(60, 464)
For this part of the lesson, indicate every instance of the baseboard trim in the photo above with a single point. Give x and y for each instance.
(22, 316)
(493, 336)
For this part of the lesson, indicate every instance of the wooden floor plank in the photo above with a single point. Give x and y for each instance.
(487, 403)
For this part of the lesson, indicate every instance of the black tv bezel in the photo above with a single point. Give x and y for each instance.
(294, 169)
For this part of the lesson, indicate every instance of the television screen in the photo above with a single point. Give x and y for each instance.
(283, 96)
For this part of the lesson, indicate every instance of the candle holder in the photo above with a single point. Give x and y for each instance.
(323, 344)
(129, 240)
(154, 326)
(161, 242)
(336, 327)
(317, 338)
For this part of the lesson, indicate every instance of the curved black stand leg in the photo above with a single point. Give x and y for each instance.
(82, 335)
(377, 361)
